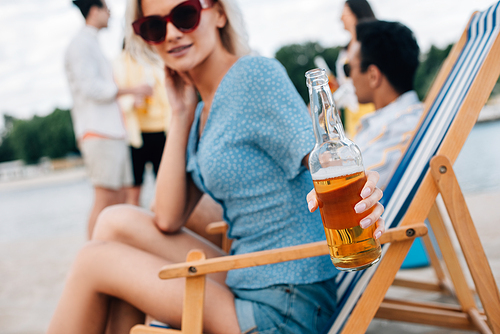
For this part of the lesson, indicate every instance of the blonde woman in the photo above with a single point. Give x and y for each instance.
(245, 144)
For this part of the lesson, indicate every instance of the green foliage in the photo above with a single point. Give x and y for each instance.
(299, 58)
(429, 66)
(6, 150)
(50, 136)
(25, 139)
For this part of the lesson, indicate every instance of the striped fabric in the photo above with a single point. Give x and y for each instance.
(398, 195)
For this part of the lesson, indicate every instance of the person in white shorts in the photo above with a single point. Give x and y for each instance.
(96, 116)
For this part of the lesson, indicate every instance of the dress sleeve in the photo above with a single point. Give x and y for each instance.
(283, 126)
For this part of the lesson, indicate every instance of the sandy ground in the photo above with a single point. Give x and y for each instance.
(32, 272)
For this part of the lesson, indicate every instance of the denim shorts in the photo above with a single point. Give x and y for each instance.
(286, 308)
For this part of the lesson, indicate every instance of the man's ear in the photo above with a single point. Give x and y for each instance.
(375, 76)
(221, 18)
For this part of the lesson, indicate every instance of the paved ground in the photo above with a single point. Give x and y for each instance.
(32, 271)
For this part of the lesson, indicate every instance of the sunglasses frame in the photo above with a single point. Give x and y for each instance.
(199, 5)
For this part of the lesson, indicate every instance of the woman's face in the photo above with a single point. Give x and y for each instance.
(348, 18)
(184, 51)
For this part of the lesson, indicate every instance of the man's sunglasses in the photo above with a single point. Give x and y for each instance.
(347, 69)
(185, 17)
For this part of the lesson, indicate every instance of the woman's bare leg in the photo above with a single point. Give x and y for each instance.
(122, 316)
(206, 211)
(104, 269)
(135, 226)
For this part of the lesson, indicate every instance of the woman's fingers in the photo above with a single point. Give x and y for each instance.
(374, 216)
(371, 183)
(380, 228)
(368, 202)
(312, 201)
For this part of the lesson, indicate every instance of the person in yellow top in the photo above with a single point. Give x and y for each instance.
(345, 98)
(146, 117)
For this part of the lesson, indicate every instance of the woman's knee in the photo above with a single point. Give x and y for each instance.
(117, 222)
(84, 263)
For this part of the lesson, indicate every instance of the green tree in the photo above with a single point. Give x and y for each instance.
(6, 150)
(429, 66)
(299, 58)
(25, 138)
(57, 134)
(50, 136)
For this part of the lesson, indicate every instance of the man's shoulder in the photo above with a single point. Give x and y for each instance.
(80, 45)
(409, 104)
(406, 103)
(82, 40)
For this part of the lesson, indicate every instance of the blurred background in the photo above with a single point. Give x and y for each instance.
(44, 194)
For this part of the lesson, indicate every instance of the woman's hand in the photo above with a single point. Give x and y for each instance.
(371, 196)
(181, 94)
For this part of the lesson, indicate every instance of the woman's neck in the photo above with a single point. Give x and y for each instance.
(210, 73)
(353, 38)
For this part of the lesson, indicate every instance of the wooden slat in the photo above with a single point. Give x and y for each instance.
(434, 259)
(461, 287)
(143, 329)
(217, 228)
(407, 283)
(220, 228)
(429, 305)
(468, 238)
(372, 297)
(479, 321)
(424, 315)
(194, 296)
(226, 263)
(403, 233)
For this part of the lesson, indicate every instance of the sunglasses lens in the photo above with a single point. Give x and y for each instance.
(186, 17)
(347, 70)
(153, 29)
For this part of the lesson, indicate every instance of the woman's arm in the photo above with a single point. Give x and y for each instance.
(176, 194)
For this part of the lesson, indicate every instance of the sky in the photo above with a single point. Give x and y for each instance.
(35, 33)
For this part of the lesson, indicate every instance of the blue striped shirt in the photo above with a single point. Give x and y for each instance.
(384, 135)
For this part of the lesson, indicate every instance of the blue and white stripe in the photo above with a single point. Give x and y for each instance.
(482, 32)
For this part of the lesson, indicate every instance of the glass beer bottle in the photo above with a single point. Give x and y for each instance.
(338, 175)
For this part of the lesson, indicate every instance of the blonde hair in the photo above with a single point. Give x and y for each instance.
(233, 35)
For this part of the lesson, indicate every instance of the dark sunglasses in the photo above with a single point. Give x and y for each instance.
(185, 17)
(347, 69)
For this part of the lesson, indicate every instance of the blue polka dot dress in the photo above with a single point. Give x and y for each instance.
(249, 160)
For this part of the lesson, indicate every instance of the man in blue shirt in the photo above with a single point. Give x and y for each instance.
(382, 65)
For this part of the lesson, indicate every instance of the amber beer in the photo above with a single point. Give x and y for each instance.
(351, 247)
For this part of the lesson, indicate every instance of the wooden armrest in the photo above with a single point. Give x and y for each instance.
(217, 228)
(225, 263)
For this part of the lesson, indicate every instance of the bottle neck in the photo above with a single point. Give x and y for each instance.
(326, 119)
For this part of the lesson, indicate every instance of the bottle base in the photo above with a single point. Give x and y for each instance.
(338, 265)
